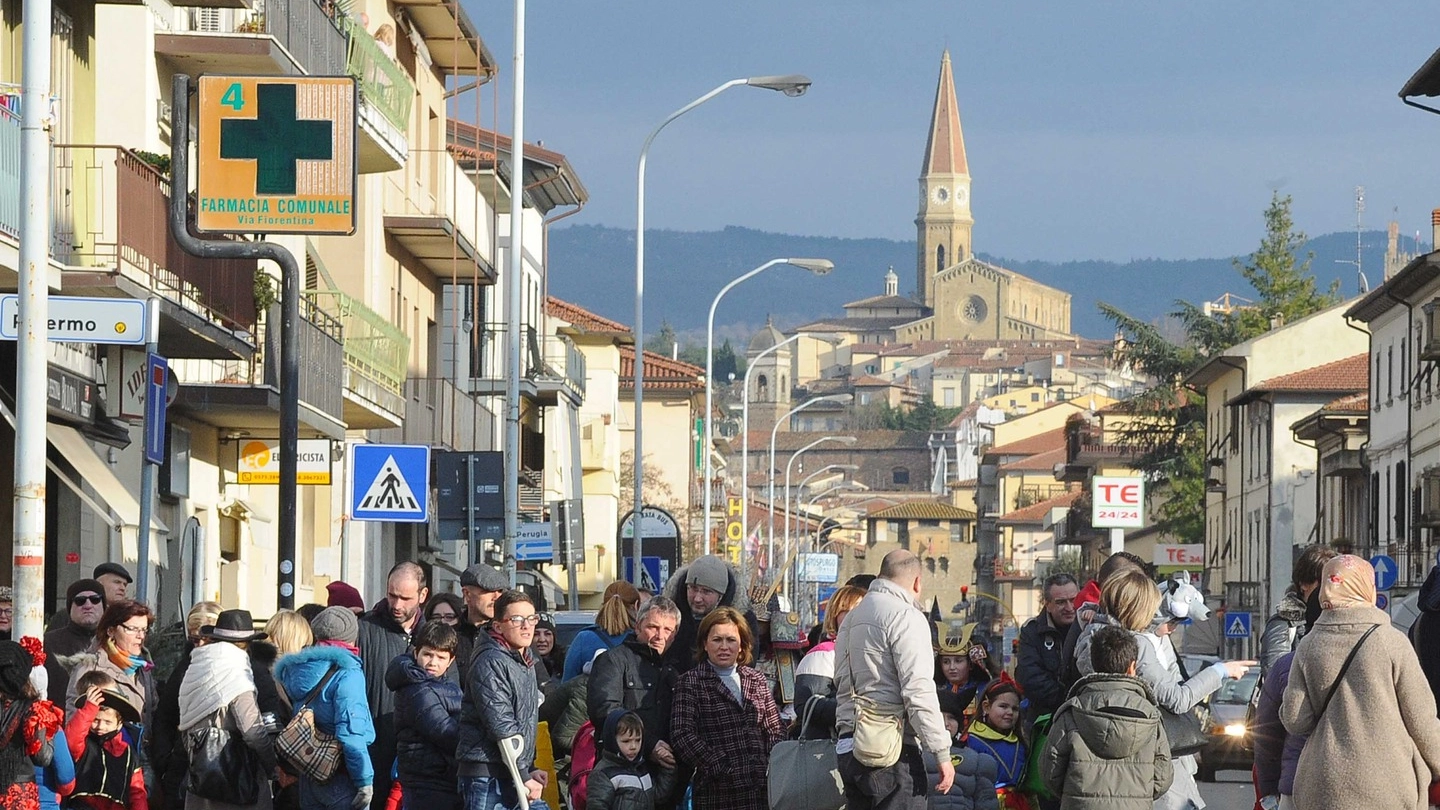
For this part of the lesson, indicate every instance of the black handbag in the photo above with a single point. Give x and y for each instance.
(1185, 730)
(222, 766)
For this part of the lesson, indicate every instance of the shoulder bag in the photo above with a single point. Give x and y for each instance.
(302, 745)
(1034, 781)
(222, 766)
(1185, 730)
(1345, 667)
(803, 773)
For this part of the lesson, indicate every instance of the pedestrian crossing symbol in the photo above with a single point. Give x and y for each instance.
(390, 482)
(1237, 625)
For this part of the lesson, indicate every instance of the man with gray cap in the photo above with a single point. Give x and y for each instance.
(340, 707)
(480, 585)
(703, 585)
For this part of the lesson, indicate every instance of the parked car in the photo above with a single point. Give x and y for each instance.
(1232, 713)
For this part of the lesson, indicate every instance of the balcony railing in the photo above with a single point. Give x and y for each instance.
(9, 173)
(1031, 495)
(376, 351)
(432, 184)
(439, 414)
(383, 83)
(545, 359)
(110, 212)
(311, 32)
(1009, 571)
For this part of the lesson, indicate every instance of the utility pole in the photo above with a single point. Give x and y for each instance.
(515, 300)
(30, 382)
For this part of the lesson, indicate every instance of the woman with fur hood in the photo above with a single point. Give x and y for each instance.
(219, 689)
(698, 588)
(1382, 700)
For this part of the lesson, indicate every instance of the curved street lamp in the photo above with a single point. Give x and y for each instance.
(791, 85)
(847, 440)
(819, 267)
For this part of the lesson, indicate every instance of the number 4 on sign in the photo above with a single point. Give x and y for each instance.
(234, 97)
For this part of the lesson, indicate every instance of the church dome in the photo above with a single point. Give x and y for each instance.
(766, 338)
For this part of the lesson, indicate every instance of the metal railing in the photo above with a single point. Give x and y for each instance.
(432, 184)
(439, 414)
(9, 173)
(383, 83)
(311, 32)
(375, 349)
(109, 211)
(543, 358)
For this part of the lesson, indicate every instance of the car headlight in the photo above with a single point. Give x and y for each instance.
(1235, 730)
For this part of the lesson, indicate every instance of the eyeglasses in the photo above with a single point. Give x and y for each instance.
(7, 612)
(84, 599)
(135, 631)
(521, 621)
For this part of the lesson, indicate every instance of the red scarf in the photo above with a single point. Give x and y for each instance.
(500, 639)
(330, 642)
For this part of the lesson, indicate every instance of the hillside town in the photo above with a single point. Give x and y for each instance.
(282, 374)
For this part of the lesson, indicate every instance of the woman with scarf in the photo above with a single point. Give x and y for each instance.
(219, 690)
(1381, 700)
(27, 725)
(340, 707)
(119, 651)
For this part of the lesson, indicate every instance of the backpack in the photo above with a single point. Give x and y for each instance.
(584, 753)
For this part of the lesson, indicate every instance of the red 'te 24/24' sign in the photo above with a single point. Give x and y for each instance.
(1119, 503)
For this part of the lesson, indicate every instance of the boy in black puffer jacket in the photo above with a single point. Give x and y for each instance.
(622, 779)
(427, 718)
(975, 773)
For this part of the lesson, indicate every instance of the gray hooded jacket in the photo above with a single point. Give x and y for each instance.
(1107, 747)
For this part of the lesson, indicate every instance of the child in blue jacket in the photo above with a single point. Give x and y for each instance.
(427, 718)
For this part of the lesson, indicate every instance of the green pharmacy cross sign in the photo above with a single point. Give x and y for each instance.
(276, 154)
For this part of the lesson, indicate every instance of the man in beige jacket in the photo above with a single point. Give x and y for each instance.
(883, 656)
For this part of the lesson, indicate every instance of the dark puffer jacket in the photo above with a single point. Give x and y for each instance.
(427, 724)
(564, 709)
(1282, 630)
(974, 786)
(1107, 747)
(1041, 667)
(636, 678)
(501, 701)
(617, 783)
(382, 640)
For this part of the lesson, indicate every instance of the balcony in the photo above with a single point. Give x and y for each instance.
(1008, 571)
(386, 96)
(110, 212)
(551, 366)
(1031, 495)
(276, 38)
(440, 415)
(454, 44)
(1075, 529)
(432, 212)
(244, 395)
(1341, 463)
(376, 355)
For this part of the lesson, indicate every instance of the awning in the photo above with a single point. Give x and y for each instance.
(96, 473)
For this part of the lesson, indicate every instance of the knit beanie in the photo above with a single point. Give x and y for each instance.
(80, 586)
(710, 572)
(15, 666)
(343, 594)
(336, 624)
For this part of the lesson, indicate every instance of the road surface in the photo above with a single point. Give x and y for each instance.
(1231, 790)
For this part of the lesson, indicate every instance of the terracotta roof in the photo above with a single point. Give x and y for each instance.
(1350, 374)
(895, 301)
(922, 510)
(1031, 445)
(660, 372)
(1040, 462)
(945, 148)
(582, 318)
(871, 381)
(855, 324)
(1036, 512)
(1352, 403)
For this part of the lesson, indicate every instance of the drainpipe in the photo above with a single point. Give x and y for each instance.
(1409, 412)
(1365, 446)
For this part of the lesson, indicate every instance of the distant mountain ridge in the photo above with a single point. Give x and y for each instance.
(594, 266)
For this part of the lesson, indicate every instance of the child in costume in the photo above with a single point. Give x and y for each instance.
(996, 733)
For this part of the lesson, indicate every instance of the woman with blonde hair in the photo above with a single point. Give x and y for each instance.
(613, 620)
(289, 632)
(1129, 600)
(815, 676)
(1356, 688)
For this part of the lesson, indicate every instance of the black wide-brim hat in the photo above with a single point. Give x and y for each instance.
(233, 625)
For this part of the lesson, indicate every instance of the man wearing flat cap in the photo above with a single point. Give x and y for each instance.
(481, 585)
(116, 580)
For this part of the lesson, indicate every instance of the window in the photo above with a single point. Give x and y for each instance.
(1402, 489)
(1390, 373)
(900, 476)
(949, 397)
(762, 388)
(1034, 396)
(939, 258)
(1404, 369)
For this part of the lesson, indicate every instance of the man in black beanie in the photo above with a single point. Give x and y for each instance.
(84, 604)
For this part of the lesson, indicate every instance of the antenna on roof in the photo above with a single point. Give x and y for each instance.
(1363, 283)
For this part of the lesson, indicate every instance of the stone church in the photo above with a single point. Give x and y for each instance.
(957, 296)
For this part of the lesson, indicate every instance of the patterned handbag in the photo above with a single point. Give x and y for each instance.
(301, 744)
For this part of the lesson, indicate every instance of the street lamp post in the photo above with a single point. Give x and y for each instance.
(745, 420)
(794, 85)
(819, 267)
(804, 482)
(770, 473)
(846, 440)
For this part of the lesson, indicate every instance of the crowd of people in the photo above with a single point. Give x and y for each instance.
(430, 701)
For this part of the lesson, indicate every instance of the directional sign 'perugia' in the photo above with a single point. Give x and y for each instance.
(276, 155)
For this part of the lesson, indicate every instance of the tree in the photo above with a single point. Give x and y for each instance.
(1168, 434)
(662, 342)
(658, 492)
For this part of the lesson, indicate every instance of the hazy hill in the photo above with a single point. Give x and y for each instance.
(594, 266)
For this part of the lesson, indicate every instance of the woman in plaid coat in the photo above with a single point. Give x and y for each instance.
(724, 720)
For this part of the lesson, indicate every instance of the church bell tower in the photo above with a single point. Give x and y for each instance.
(944, 222)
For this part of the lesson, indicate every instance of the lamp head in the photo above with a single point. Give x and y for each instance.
(791, 85)
(820, 267)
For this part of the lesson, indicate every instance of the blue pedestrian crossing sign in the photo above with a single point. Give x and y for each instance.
(390, 482)
(1237, 625)
(1386, 571)
(654, 572)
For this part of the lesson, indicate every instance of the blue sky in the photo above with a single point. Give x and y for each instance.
(1094, 130)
